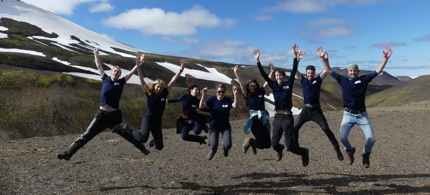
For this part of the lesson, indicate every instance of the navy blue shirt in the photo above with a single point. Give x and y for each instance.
(189, 104)
(354, 90)
(111, 91)
(220, 112)
(311, 90)
(256, 100)
(157, 104)
(282, 92)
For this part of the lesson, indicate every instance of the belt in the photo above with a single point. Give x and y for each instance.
(354, 111)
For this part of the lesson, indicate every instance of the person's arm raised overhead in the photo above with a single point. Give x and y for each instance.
(170, 85)
(387, 54)
(139, 59)
(99, 64)
(324, 59)
(239, 80)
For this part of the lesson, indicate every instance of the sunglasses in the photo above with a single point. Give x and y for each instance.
(221, 91)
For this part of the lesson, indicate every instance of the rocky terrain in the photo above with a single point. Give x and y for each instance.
(400, 163)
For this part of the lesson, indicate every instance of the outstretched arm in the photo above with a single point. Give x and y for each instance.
(260, 68)
(170, 85)
(139, 63)
(202, 104)
(324, 59)
(271, 75)
(323, 74)
(234, 105)
(298, 54)
(239, 80)
(99, 64)
(387, 54)
(138, 60)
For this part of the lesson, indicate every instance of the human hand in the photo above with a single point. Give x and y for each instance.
(257, 55)
(322, 54)
(387, 53)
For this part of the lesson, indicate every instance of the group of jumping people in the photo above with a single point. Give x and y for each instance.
(353, 88)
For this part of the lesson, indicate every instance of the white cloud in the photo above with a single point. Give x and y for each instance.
(156, 21)
(64, 7)
(102, 7)
(325, 22)
(334, 32)
(185, 40)
(263, 17)
(390, 44)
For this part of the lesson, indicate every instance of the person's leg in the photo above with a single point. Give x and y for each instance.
(348, 122)
(288, 126)
(185, 133)
(98, 124)
(226, 140)
(366, 126)
(303, 117)
(145, 129)
(319, 118)
(277, 134)
(214, 135)
(157, 132)
(261, 134)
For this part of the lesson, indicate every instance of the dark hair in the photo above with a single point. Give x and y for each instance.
(247, 86)
(191, 86)
(281, 71)
(310, 67)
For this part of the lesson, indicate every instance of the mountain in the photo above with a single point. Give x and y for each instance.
(50, 86)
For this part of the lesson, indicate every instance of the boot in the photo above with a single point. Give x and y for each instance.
(305, 158)
(366, 160)
(254, 149)
(246, 145)
(350, 158)
(279, 152)
(64, 155)
(339, 154)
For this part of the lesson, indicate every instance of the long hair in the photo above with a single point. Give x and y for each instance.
(248, 91)
(191, 86)
(151, 87)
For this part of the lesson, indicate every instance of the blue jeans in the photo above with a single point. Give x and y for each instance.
(362, 120)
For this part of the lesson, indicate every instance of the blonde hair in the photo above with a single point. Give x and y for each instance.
(151, 87)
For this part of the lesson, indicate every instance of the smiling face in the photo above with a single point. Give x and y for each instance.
(115, 74)
(221, 92)
(158, 88)
(253, 87)
(279, 76)
(353, 73)
(195, 91)
(310, 74)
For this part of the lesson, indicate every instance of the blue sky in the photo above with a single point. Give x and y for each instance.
(352, 31)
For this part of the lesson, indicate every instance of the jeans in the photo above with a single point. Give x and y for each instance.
(362, 120)
(226, 139)
(314, 114)
(101, 121)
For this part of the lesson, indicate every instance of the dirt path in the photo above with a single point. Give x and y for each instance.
(400, 163)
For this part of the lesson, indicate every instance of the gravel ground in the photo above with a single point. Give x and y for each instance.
(110, 165)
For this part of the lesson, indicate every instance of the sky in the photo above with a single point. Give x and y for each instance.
(351, 31)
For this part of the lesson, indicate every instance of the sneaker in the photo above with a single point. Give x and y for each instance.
(305, 158)
(246, 145)
(119, 128)
(254, 149)
(350, 158)
(279, 156)
(152, 143)
(210, 155)
(339, 154)
(366, 160)
(225, 152)
(64, 155)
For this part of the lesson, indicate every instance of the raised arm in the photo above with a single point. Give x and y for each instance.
(324, 59)
(239, 80)
(139, 64)
(234, 104)
(260, 68)
(170, 85)
(202, 104)
(387, 54)
(271, 75)
(138, 60)
(298, 54)
(99, 64)
(323, 74)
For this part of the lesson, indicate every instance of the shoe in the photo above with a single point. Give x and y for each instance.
(144, 150)
(210, 155)
(350, 158)
(64, 155)
(305, 158)
(279, 156)
(366, 160)
(205, 141)
(339, 154)
(119, 128)
(246, 145)
(151, 143)
(225, 152)
(254, 149)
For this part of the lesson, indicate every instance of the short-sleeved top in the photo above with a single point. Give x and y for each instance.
(189, 104)
(111, 91)
(311, 90)
(354, 90)
(220, 112)
(157, 104)
(256, 100)
(283, 92)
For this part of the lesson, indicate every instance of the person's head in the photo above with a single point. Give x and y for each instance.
(156, 87)
(221, 90)
(310, 72)
(193, 89)
(115, 73)
(353, 70)
(252, 86)
(280, 75)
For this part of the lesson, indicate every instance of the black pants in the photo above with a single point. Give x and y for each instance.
(261, 134)
(101, 121)
(284, 123)
(314, 114)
